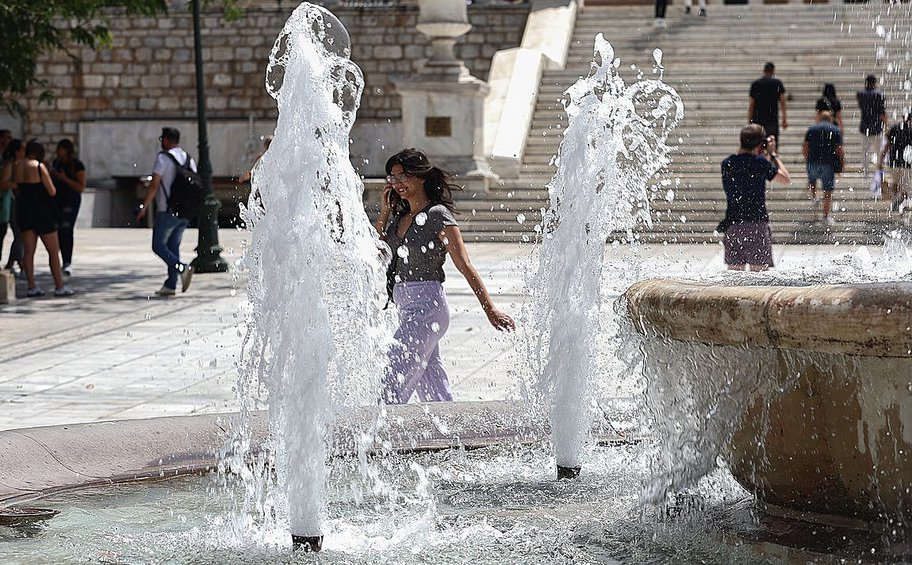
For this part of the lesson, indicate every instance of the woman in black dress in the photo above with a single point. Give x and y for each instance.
(37, 215)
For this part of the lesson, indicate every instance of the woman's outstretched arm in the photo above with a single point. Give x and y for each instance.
(455, 246)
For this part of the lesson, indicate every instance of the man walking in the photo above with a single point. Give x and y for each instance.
(748, 239)
(168, 229)
(873, 111)
(899, 147)
(767, 96)
(825, 157)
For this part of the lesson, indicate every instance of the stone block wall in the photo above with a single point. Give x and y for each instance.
(148, 71)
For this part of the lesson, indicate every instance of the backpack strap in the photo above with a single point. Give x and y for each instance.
(176, 164)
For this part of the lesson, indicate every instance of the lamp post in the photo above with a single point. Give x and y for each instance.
(208, 251)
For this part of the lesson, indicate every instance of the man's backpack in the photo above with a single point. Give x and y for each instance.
(188, 191)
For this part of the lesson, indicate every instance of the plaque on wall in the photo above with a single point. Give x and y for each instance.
(438, 126)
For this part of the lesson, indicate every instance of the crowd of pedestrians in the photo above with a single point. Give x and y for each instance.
(39, 202)
(748, 238)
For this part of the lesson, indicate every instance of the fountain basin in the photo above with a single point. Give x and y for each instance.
(36, 462)
(826, 432)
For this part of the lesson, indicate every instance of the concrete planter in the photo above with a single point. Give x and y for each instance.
(830, 431)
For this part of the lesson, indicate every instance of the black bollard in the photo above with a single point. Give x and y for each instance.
(567, 472)
(306, 544)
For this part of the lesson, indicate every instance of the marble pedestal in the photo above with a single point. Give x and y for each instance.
(443, 114)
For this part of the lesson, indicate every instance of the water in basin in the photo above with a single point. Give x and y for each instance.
(492, 505)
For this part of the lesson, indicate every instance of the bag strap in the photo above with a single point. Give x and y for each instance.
(394, 262)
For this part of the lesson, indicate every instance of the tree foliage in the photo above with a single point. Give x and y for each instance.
(32, 28)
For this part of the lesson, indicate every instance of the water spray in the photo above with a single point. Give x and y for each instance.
(613, 146)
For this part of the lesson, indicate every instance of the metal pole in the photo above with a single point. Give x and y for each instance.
(208, 251)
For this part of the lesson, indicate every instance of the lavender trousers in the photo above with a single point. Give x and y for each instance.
(415, 365)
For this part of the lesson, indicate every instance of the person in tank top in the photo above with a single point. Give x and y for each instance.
(417, 222)
(38, 217)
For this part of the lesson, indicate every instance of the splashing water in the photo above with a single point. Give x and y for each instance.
(316, 338)
(614, 144)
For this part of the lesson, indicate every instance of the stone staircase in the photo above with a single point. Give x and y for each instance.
(711, 62)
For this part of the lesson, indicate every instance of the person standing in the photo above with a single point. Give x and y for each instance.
(416, 221)
(37, 215)
(767, 97)
(688, 6)
(873, 110)
(69, 175)
(825, 157)
(14, 152)
(831, 103)
(168, 229)
(899, 147)
(748, 240)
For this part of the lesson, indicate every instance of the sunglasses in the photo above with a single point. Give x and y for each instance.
(394, 179)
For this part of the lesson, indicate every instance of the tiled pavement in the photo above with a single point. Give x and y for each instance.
(116, 351)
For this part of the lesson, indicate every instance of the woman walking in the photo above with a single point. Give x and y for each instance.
(69, 176)
(37, 214)
(15, 151)
(829, 102)
(416, 220)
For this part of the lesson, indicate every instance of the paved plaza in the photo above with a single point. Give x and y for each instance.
(116, 351)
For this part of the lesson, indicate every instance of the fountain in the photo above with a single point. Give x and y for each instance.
(311, 246)
(816, 380)
(613, 146)
(772, 361)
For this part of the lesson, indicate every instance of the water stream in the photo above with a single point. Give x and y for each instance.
(614, 144)
(318, 333)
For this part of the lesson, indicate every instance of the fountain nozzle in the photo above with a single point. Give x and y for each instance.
(307, 544)
(567, 472)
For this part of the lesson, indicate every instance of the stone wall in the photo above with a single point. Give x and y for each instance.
(147, 73)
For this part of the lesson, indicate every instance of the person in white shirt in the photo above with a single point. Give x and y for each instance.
(168, 229)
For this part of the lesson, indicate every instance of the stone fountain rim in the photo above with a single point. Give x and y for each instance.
(862, 319)
(41, 461)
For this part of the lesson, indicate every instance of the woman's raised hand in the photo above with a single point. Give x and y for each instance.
(385, 199)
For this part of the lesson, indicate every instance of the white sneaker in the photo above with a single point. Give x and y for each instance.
(64, 291)
(68, 270)
(829, 221)
(660, 23)
(165, 291)
(186, 276)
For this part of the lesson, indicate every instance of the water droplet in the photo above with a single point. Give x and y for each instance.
(657, 56)
(435, 327)
(521, 218)
(421, 219)
(402, 252)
